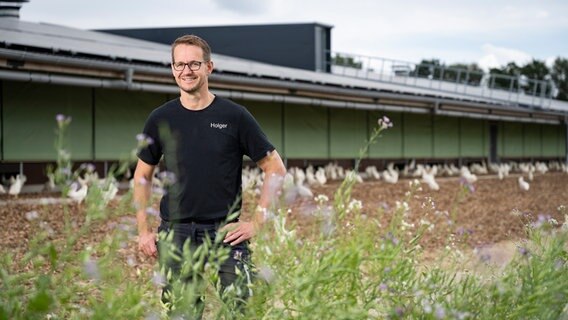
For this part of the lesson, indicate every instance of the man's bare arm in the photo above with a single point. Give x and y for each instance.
(274, 171)
(142, 195)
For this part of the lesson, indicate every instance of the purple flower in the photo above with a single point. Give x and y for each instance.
(440, 313)
(60, 118)
(461, 231)
(91, 269)
(524, 251)
(153, 212)
(399, 311)
(390, 236)
(168, 178)
(158, 279)
(144, 140)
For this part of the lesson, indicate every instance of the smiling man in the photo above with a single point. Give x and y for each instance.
(202, 138)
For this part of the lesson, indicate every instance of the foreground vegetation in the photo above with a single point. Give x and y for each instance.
(348, 267)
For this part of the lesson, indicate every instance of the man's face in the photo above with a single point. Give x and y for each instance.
(188, 57)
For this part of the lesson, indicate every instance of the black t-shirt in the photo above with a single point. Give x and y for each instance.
(204, 149)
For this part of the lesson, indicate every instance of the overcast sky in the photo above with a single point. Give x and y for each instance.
(489, 32)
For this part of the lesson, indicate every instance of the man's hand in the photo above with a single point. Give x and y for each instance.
(238, 232)
(147, 244)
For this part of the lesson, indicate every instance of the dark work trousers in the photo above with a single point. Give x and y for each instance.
(195, 235)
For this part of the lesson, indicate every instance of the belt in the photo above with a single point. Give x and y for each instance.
(194, 221)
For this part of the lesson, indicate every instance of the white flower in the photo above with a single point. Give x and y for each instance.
(32, 215)
(354, 205)
(321, 199)
(384, 123)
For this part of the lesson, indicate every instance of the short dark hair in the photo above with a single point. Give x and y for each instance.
(193, 40)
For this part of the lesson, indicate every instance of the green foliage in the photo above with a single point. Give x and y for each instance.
(356, 270)
(346, 61)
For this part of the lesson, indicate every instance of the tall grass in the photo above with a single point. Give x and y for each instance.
(348, 267)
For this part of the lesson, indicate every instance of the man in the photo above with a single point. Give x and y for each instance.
(203, 139)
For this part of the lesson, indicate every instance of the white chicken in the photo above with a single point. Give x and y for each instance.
(78, 194)
(16, 185)
(523, 184)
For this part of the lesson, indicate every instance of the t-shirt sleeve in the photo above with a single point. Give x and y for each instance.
(151, 153)
(254, 142)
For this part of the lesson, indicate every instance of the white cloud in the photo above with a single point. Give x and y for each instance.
(495, 57)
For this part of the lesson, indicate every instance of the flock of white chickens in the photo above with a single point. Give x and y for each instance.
(302, 180)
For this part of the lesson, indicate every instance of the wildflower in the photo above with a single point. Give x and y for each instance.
(485, 257)
(354, 205)
(399, 311)
(62, 120)
(32, 215)
(144, 140)
(153, 212)
(384, 123)
(383, 286)
(266, 273)
(91, 269)
(131, 261)
(467, 185)
(321, 199)
(158, 279)
(390, 236)
(542, 220)
(426, 306)
(168, 178)
(65, 156)
(405, 225)
(461, 231)
(523, 251)
(440, 312)
(45, 226)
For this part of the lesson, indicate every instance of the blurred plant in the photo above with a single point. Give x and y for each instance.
(359, 270)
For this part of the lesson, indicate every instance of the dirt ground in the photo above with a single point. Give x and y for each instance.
(494, 212)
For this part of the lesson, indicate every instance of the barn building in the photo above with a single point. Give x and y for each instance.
(323, 110)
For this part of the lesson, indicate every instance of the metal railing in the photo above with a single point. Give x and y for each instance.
(520, 89)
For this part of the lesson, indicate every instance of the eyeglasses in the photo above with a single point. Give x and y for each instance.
(192, 65)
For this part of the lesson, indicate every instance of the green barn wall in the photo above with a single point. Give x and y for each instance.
(512, 139)
(305, 131)
(446, 137)
(269, 116)
(551, 141)
(390, 143)
(532, 140)
(297, 131)
(29, 112)
(473, 138)
(119, 117)
(348, 132)
(417, 135)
